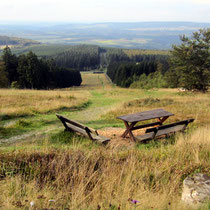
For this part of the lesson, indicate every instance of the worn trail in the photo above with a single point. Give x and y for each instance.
(91, 113)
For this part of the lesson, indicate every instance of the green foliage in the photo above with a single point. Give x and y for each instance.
(190, 62)
(15, 85)
(81, 57)
(11, 63)
(124, 74)
(153, 80)
(28, 71)
(87, 57)
(4, 82)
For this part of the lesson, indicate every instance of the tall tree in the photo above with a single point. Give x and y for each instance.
(11, 63)
(3, 76)
(191, 61)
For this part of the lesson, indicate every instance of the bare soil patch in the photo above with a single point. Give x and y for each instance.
(116, 141)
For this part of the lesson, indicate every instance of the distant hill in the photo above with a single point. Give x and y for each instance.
(134, 35)
(15, 42)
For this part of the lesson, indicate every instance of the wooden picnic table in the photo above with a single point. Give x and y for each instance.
(131, 120)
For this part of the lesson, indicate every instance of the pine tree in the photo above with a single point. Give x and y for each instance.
(3, 76)
(11, 63)
(191, 61)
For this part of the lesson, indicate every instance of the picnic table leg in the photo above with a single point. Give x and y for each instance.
(163, 119)
(128, 130)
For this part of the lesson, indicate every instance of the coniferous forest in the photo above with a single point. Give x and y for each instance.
(124, 74)
(28, 71)
(87, 57)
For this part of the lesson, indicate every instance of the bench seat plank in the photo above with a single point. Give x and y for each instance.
(95, 137)
(146, 136)
(170, 130)
(184, 122)
(152, 133)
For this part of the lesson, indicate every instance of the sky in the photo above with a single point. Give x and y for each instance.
(104, 10)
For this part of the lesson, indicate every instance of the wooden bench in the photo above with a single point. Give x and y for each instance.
(163, 130)
(73, 126)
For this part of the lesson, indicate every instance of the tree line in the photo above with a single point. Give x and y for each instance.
(28, 71)
(188, 66)
(124, 74)
(88, 57)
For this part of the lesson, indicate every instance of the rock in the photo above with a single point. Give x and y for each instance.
(196, 189)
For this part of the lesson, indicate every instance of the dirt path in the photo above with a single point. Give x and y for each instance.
(91, 113)
(24, 136)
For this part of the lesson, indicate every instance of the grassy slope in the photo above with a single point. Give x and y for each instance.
(78, 174)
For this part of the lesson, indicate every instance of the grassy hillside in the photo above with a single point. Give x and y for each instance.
(140, 35)
(41, 163)
(14, 42)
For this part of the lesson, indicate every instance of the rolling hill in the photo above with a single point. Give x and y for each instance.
(14, 42)
(134, 35)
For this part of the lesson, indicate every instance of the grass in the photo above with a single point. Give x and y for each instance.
(16, 103)
(78, 178)
(75, 173)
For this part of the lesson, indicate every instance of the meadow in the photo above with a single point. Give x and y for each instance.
(58, 170)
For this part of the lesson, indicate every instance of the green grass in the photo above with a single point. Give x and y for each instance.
(80, 174)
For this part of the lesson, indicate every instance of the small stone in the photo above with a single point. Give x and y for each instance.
(32, 203)
(196, 189)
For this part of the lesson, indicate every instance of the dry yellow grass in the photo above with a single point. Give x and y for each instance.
(77, 177)
(197, 107)
(103, 177)
(26, 102)
(94, 81)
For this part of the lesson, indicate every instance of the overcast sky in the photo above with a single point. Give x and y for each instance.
(104, 10)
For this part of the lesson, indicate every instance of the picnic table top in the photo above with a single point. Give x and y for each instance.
(146, 115)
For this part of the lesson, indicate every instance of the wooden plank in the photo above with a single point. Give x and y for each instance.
(147, 136)
(80, 125)
(94, 137)
(145, 125)
(77, 129)
(166, 131)
(152, 133)
(184, 122)
(74, 126)
(147, 115)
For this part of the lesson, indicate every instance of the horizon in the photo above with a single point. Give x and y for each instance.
(92, 11)
(96, 22)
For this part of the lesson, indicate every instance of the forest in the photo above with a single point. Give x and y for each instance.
(28, 71)
(87, 57)
(187, 66)
(184, 66)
